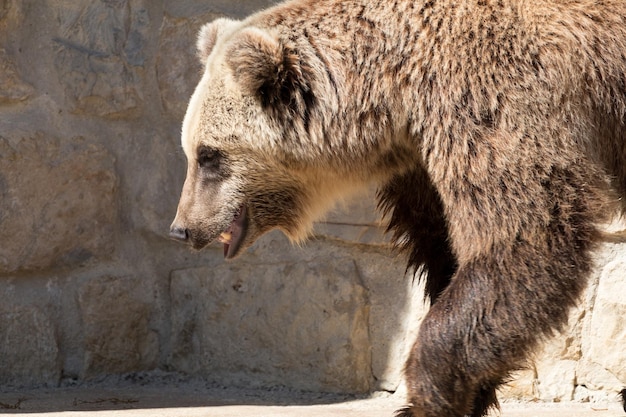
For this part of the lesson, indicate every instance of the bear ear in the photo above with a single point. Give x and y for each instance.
(266, 67)
(208, 35)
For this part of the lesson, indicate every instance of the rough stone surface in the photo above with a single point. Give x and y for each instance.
(116, 326)
(177, 72)
(397, 308)
(147, 188)
(557, 380)
(100, 50)
(12, 88)
(52, 196)
(313, 332)
(36, 358)
(608, 322)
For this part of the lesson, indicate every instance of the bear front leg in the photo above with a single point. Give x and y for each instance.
(419, 228)
(487, 321)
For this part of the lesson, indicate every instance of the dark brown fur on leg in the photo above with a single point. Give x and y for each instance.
(417, 222)
(485, 400)
(478, 332)
(419, 228)
(500, 303)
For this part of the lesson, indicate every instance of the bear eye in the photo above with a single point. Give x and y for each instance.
(209, 159)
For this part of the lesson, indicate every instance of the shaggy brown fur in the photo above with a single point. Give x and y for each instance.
(495, 129)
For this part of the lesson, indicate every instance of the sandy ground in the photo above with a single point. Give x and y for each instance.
(174, 396)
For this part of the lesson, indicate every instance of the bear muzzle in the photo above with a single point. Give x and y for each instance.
(232, 237)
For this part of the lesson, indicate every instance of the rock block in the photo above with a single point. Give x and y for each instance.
(57, 202)
(595, 378)
(100, 55)
(608, 322)
(301, 324)
(397, 308)
(28, 348)
(556, 380)
(395, 298)
(118, 338)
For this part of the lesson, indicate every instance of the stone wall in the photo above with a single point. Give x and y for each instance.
(91, 99)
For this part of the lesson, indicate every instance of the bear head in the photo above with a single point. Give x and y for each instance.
(253, 141)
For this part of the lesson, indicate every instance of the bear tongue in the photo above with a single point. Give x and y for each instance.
(233, 237)
(226, 238)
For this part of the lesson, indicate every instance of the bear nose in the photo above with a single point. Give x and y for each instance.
(179, 233)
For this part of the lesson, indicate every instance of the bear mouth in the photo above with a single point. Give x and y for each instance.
(234, 235)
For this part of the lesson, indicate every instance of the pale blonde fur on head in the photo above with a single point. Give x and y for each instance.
(209, 34)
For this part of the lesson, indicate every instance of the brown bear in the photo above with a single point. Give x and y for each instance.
(495, 130)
